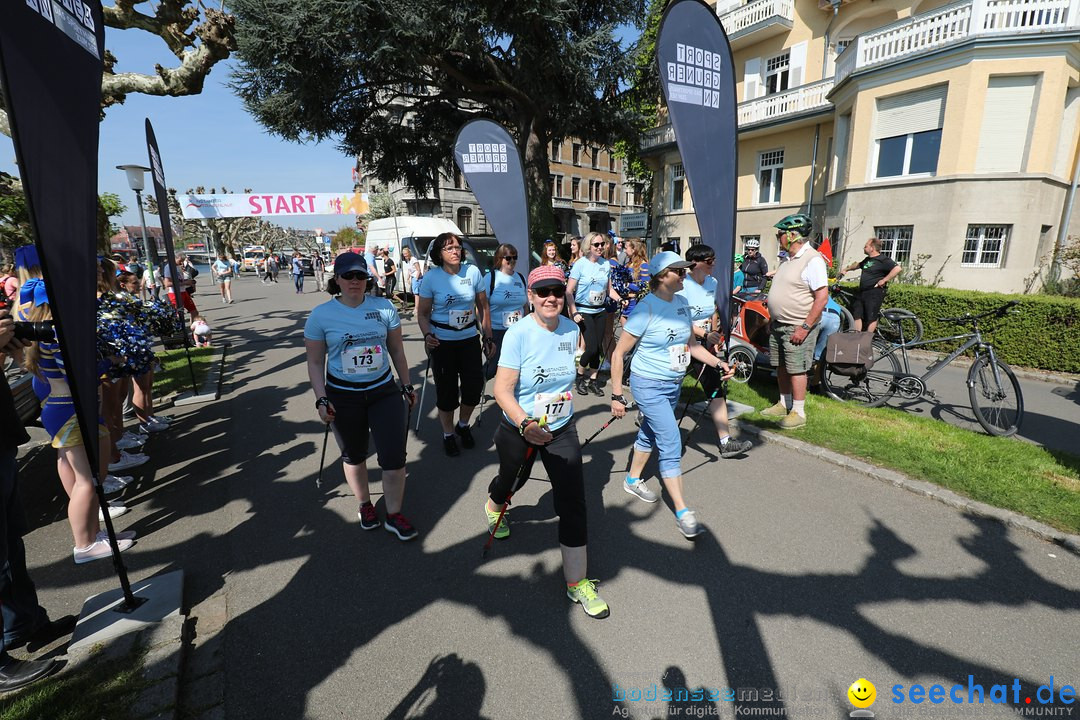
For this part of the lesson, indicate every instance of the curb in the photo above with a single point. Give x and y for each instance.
(211, 387)
(1009, 518)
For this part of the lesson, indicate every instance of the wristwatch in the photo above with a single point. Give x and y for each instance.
(407, 389)
(619, 399)
(805, 327)
(322, 402)
(525, 424)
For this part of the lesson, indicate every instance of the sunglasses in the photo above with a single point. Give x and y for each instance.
(552, 290)
(353, 275)
(510, 258)
(681, 272)
(599, 244)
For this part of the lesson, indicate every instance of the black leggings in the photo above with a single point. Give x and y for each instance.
(380, 412)
(562, 460)
(592, 332)
(457, 362)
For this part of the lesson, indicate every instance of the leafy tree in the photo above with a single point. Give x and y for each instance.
(109, 207)
(347, 237)
(15, 217)
(381, 204)
(644, 99)
(394, 80)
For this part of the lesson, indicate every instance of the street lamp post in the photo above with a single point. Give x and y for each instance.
(136, 177)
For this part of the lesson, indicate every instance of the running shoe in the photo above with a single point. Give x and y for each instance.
(398, 525)
(153, 426)
(639, 489)
(111, 486)
(792, 420)
(582, 388)
(777, 410)
(116, 509)
(128, 460)
(120, 535)
(369, 519)
(130, 441)
(734, 448)
(124, 480)
(584, 593)
(688, 525)
(595, 389)
(450, 446)
(161, 419)
(493, 517)
(99, 549)
(465, 432)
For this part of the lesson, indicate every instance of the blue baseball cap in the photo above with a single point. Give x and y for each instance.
(349, 261)
(666, 260)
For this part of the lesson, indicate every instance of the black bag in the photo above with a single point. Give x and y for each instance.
(850, 353)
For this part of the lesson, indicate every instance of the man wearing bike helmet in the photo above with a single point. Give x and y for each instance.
(754, 267)
(796, 300)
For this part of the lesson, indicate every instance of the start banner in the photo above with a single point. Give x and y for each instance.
(264, 205)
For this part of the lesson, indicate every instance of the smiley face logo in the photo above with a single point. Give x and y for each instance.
(862, 693)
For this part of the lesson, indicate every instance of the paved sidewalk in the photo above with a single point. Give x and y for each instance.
(810, 577)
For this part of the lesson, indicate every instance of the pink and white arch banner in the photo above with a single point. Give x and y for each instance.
(264, 205)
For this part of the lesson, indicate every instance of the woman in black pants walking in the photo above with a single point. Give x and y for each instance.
(587, 290)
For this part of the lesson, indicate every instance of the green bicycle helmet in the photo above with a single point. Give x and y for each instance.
(800, 223)
(738, 258)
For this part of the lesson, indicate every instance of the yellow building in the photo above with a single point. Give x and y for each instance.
(948, 130)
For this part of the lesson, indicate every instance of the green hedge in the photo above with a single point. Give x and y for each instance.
(1043, 333)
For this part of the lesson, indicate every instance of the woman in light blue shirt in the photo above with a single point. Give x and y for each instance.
(506, 299)
(660, 328)
(588, 288)
(223, 271)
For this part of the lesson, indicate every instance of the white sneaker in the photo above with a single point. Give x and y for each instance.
(116, 509)
(128, 460)
(99, 549)
(153, 426)
(130, 441)
(120, 535)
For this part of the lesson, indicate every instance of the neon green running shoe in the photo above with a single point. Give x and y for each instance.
(584, 593)
(504, 526)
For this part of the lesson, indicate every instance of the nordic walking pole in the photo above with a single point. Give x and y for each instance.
(423, 389)
(604, 427)
(322, 459)
(522, 476)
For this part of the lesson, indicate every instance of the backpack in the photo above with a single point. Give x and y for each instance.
(850, 353)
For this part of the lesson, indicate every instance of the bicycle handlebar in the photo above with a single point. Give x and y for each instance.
(968, 317)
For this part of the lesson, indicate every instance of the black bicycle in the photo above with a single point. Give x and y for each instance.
(994, 391)
(893, 323)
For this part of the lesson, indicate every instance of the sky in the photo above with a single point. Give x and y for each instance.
(209, 140)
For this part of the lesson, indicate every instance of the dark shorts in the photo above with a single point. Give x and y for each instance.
(867, 305)
(458, 369)
(709, 379)
(359, 414)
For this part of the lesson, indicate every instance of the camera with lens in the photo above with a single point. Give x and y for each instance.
(31, 331)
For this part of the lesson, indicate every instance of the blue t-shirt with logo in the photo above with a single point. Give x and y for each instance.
(702, 300)
(592, 285)
(663, 329)
(545, 362)
(507, 300)
(739, 279)
(453, 300)
(355, 339)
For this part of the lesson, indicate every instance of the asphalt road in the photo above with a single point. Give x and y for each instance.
(810, 576)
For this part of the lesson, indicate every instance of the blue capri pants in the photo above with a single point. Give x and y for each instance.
(659, 429)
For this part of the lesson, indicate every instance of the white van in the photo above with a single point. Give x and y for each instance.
(411, 231)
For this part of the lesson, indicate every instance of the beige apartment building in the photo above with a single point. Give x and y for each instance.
(948, 130)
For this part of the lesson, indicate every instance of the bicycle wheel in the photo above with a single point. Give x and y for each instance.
(870, 389)
(743, 362)
(892, 320)
(999, 407)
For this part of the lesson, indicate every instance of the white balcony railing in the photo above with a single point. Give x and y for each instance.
(952, 24)
(657, 137)
(562, 203)
(757, 12)
(786, 104)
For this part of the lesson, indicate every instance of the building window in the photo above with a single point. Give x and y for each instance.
(556, 186)
(895, 241)
(610, 161)
(985, 245)
(596, 158)
(556, 151)
(841, 46)
(576, 154)
(694, 240)
(678, 185)
(770, 176)
(911, 154)
(594, 191)
(612, 193)
(464, 220)
(575, 187)
(776, 73)
(459, 179)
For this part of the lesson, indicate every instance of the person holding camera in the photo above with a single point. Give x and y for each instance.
(351, 342)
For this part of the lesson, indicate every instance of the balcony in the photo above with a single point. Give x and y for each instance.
(954, 24)
(657, 139)
(594, 206)
(562, 203)
(757, 21)
(805, 99)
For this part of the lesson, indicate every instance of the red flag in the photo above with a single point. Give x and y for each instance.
(825, 248)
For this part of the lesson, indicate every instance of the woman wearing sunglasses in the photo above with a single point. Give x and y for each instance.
(506, 297)
(453, 303)
(532, 387)
(699, 289)
(588, 289)
(661, 328)
(351, 342)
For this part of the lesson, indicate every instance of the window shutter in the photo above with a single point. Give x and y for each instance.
(1005, 123)
(797, 65)
(752, 79)
(912, 112)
